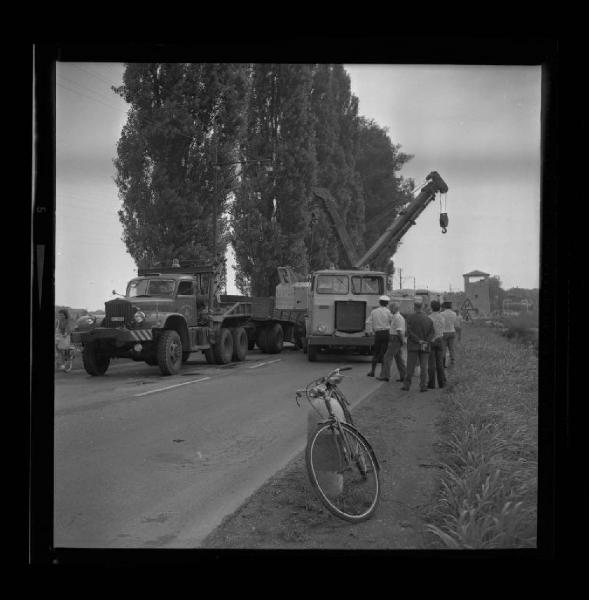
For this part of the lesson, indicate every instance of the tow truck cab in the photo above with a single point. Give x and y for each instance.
(339, 303)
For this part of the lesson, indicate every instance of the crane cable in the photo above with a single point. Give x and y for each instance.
(443, 213)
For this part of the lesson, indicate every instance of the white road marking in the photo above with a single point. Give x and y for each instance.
(269, 362)
(171, 386)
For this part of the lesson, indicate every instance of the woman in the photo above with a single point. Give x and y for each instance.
(62, 334)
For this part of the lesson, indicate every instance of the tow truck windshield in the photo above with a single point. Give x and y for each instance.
(150, 287)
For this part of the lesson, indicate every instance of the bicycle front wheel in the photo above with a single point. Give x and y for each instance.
(343, 471)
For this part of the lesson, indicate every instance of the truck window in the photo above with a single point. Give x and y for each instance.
(150, 287)
(185, 288)
(137, 287)
(161, 287)
(367, 284)
(332, 284)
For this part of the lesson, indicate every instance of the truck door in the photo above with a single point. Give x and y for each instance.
(187, 301)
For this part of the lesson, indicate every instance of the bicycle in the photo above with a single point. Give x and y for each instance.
(341, 464)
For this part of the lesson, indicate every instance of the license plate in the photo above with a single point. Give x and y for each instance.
(117, 318)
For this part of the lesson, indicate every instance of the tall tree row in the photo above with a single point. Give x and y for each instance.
(183, 120)
(220, 153)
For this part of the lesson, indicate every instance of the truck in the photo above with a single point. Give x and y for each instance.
(169, 312)
(340, 300)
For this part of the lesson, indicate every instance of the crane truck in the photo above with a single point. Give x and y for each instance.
(340, 300)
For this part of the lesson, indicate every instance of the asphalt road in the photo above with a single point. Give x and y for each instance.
(145, 461)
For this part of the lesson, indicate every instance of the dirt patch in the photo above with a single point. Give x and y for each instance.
(285, 514)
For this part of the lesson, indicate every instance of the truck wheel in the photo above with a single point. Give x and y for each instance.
(312, 352)
(223, 349)
(95, 360)
(240, 343)
(274, 339)
(262, 339)
(169, 352)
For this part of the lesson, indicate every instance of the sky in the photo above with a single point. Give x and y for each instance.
(477, 126)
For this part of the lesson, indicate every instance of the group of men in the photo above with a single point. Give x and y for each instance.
(430, 335)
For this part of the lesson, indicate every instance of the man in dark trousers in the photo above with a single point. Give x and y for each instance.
(420, 333)
(436, 355)
(379, 322)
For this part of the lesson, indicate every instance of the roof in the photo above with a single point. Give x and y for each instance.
(476, 274)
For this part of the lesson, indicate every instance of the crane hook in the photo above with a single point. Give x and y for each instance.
(444, 222)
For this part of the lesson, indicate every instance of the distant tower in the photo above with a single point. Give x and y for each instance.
(478, 292)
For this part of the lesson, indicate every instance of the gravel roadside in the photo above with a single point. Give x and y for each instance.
(284, 513)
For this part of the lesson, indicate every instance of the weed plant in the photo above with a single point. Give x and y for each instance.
(487, 495)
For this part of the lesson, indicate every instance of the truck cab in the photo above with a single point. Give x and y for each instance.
(339, 303)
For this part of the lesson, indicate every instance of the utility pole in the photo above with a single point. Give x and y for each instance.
(400, 279)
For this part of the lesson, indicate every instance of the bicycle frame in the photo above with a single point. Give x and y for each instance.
(331, 391)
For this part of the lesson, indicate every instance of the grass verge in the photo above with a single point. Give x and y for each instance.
(487, 494)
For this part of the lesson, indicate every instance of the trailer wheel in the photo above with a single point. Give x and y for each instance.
(312, 352)
(223, 349)
(240, 343)
(274, 339)
(95, 360)
(169, 352)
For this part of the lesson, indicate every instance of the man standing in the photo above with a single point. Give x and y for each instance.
(420, 333)
(396, 340)
(458, 326)
(379, 322)
(436, 356)
(449, 331)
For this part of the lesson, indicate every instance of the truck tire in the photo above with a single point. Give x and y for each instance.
(223, 349)
(262, 339)
(240, 343)
(95, 360)
(312, 352)
(169, 352)
(274, 339)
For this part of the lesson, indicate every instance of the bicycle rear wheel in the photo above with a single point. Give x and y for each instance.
(343, 470)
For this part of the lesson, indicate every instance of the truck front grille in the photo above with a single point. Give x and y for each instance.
(118, 313)
(350, 316)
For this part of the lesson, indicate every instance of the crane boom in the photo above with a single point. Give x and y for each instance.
(406, 218)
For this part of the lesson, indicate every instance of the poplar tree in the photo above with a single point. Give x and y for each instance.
(335, 111)
(378, 163)
(271, 210)
(183, 119)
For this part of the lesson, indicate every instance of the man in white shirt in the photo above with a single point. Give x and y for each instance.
(379, 322)
(449, 331)
(396, 341)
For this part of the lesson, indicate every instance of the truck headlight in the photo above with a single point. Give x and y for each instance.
(139, 317)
